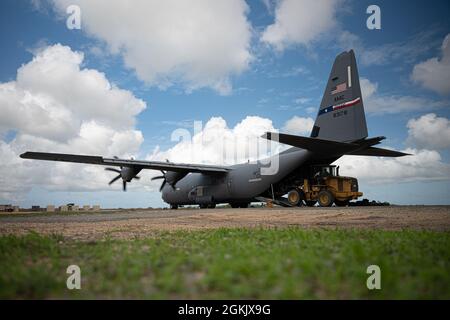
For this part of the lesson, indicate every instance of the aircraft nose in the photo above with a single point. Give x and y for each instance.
(165, 193)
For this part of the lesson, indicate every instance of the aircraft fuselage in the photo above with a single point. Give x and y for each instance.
(242, 183)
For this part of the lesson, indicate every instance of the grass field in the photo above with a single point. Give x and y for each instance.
(289, 263)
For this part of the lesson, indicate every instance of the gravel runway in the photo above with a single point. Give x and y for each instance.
(146, 222)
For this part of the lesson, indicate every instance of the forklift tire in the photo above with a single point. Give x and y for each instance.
(340, 203)
(325, 198)
(294, 197)
(173, 206)
(311, 203)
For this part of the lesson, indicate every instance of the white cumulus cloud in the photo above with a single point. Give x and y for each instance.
(198, 43)
(429, 131)
(434, 73)
(53, 95)
(217, 143)
(55, 105)
(300, 22)
(298, 125)
(422, 165)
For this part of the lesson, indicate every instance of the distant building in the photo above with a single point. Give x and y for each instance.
(6, 208)
(96, 207)
(35, 208)
(72, 207)
(50, 208)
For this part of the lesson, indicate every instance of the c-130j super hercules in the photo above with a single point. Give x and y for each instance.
(340, 129)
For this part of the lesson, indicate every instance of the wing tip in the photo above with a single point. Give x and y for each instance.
(25, 155)
(402, 154)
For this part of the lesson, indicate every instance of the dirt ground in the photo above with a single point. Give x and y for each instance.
(129, 224)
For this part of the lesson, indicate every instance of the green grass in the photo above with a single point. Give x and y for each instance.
(288, 263)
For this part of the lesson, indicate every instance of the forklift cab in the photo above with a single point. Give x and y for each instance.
(322, 171)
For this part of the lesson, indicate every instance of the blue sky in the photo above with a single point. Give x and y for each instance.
(275, 84)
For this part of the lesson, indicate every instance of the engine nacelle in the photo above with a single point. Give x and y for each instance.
(173, 177)
(129, 173)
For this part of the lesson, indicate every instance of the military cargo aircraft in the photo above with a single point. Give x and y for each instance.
(339, 129)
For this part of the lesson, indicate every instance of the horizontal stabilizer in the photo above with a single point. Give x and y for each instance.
(378, 152)
(333, 148)
(370, 141)
(312, 144)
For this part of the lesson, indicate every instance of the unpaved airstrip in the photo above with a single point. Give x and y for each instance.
(132, 223)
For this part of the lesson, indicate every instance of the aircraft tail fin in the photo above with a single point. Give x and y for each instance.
(341, 114)
(340, 126)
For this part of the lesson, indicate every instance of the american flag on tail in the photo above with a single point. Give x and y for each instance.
(339, 88)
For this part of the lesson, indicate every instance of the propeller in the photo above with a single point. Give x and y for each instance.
(161, 177)
(126, 173)
(170, 177)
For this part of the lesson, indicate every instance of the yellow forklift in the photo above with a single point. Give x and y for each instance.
(326, 187)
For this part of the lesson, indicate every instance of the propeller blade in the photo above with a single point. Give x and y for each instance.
(136, 177)
(162, 185)
(124, 185)
(114, 180)
(112, 169)
(158, 177)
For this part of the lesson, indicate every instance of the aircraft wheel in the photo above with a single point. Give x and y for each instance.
(294, 197)
(173, 206)
(203, 206)
(340, 203)
(326, 198)
(239, 204)
(212, 206)
(310, 203)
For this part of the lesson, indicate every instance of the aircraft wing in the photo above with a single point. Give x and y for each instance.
(141, 164)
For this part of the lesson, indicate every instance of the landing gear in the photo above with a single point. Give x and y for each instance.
(239, 204)
(326, 198)
(173, 206)
(294, 198)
